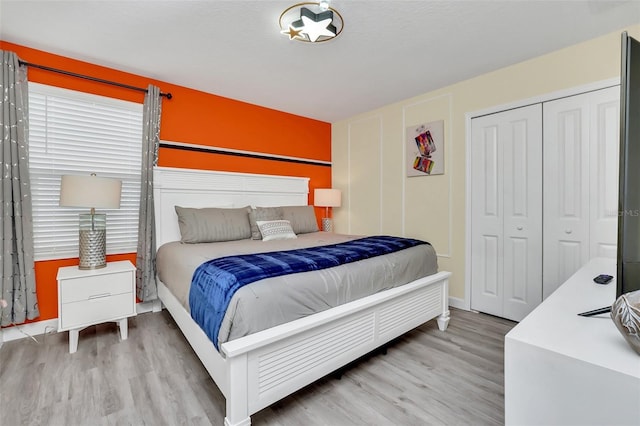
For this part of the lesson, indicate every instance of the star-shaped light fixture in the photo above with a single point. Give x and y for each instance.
(293, 33)
(316, 25)
(311, 22)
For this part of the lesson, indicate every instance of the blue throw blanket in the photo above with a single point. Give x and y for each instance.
(215, 282)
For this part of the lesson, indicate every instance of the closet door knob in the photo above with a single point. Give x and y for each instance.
(519, 228)
(568, 231)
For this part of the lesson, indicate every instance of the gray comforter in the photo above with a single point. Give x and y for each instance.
(275, 301)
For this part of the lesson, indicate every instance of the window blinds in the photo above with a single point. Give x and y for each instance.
(78, 133)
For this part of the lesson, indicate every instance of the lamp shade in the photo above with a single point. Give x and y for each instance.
(327, 197)
(90, 192)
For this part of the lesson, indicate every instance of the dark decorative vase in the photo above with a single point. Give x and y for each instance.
(625, 313)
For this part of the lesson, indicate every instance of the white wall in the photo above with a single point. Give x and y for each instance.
(368, 149)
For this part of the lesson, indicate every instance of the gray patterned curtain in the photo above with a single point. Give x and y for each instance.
(146, 256)
(16, 255)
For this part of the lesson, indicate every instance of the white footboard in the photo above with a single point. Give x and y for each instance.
(267, 366)
(303, 351)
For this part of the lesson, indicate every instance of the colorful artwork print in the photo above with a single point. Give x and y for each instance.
(423, 164)
(425, 144)
(424, 149)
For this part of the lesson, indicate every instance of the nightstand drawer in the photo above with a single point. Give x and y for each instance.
(85, 288)
(96, 310)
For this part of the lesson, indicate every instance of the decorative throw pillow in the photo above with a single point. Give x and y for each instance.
(303, 218)
(275, 230)
(262, 213)
(209, 225)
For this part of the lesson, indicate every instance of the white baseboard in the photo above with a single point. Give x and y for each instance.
(41, 327)
(30, 329)
(456, 302)
(144, 307)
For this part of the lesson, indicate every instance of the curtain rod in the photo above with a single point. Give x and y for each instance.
(86, 77)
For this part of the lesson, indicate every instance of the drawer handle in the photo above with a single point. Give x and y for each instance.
(99, 296)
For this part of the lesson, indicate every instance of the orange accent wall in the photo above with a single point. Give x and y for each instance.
(193, 117)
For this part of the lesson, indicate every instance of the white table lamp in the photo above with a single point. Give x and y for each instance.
(327, 197)
(91, 192)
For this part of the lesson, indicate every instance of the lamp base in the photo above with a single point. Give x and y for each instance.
(327, 224)
(92, 242)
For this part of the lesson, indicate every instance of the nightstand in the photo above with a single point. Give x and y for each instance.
(94, 296)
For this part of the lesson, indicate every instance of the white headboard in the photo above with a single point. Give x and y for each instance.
(202, 188)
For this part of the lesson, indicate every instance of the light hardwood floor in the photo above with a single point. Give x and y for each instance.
(427, 377)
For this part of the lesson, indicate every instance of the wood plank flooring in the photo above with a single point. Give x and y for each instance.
(427, 377)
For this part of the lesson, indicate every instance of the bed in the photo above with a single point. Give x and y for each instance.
(258, 369)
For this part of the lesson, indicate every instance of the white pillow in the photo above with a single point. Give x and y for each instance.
(275, 230)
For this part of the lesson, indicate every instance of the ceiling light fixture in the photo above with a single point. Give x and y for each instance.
(311, 22)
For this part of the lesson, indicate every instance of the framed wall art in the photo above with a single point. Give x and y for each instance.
(425, 149)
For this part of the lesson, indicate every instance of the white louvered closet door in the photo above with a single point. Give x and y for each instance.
(581, 145)
(506, 234)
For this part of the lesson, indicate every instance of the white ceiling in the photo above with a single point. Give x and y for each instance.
(388, 51)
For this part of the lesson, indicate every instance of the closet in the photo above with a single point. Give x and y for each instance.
(544, 181)
(581, 153)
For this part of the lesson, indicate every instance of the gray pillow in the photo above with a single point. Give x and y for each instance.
(303, 218)
(211, 225)
(262, 213)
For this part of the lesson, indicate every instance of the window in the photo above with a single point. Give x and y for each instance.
(78, 133)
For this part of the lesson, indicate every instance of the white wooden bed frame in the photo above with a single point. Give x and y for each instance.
(255, 371)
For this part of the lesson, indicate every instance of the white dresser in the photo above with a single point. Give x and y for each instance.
(88, 297)
(564, 369)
